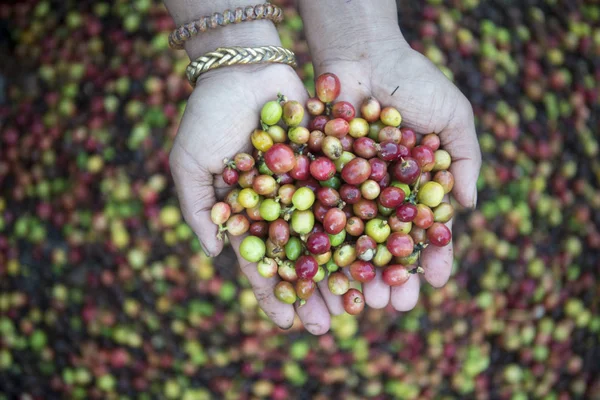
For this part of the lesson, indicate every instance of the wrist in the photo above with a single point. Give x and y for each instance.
(250, 34)
(358, 29)
(246, 34)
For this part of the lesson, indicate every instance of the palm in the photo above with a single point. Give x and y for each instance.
(428, 102)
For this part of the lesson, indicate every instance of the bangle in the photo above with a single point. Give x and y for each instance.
(185, 32)
(224, 56)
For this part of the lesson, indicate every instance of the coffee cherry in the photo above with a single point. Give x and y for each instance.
(261, 140)
(220, 213)
(293, 248)
(382, 256)
(344, 255)
(365, 147)
(344, 159)
(406, 212)
(279, 232)
(337, 239)
(334, 221)
(370, 189)
(271, 112)
(355, 226)
(378, 229)
(409, 138)
(231, 199)
(248, 198)
(303, 198)
(400, 244)
(301, 170)
(442, 160)
(338, 283)
(237, 225)
(230, 176)
(356, 171)
(391, 197)
(332, 147)
(280, 158)
(353, 301)
(378, 169)
(396, 225)
(358, 127)
(365, 248)
(390, 116)
(322, 168)
(299, 135)
(305, 288)
(350, 194)
(303, 221)
(443, 213)
(446, 179)
(259, 229)
(347, 142)
(318, 243)
(277, 133)
(287, 271)
(431, 194)
(328, 196)
(389, 134)
(267, 267)
(269, 209)
(424, 217)
(293, 112)
(264, 185)
(432, 141)
(418, 234)
(395, 275)
(362, 271)
(285, 292)
(314, 106)
(343, 109)
(370, 109)
(337, 127)
(252, 249)
(424, 157)
(439, 234)
(306, 267)
(406, 171)
(327, 87)
(365, 209)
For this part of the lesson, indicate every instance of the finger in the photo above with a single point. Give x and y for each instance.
(460, 140)
(377, 293)
(314, 314)
(405, 297)
(437, 262)
(280, 313)
(334, 303)
(196, 194)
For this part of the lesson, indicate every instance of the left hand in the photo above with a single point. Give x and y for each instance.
(398, 76)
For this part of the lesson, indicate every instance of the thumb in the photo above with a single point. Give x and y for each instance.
(460, 140)
(196, 193)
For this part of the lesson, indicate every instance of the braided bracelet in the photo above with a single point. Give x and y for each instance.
(185, 32)
(224, 56)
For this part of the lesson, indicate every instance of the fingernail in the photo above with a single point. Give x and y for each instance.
(203, 247)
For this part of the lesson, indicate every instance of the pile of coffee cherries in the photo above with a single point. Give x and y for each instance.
(338, 199)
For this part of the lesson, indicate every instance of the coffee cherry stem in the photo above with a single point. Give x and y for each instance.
(281, 98)
(229, 163)
(416, 270)
(221, 232)
(286, 213)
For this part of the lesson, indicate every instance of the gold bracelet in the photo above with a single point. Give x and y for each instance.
(224, 56)
(185, 32)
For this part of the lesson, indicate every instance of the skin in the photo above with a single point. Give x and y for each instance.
(370, 57)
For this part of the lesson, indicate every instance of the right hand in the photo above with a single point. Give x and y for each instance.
(221, 113)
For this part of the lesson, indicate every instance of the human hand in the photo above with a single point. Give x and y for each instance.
(375, 60)
(220, 115)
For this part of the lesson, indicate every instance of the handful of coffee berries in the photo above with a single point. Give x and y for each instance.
(340, 198)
